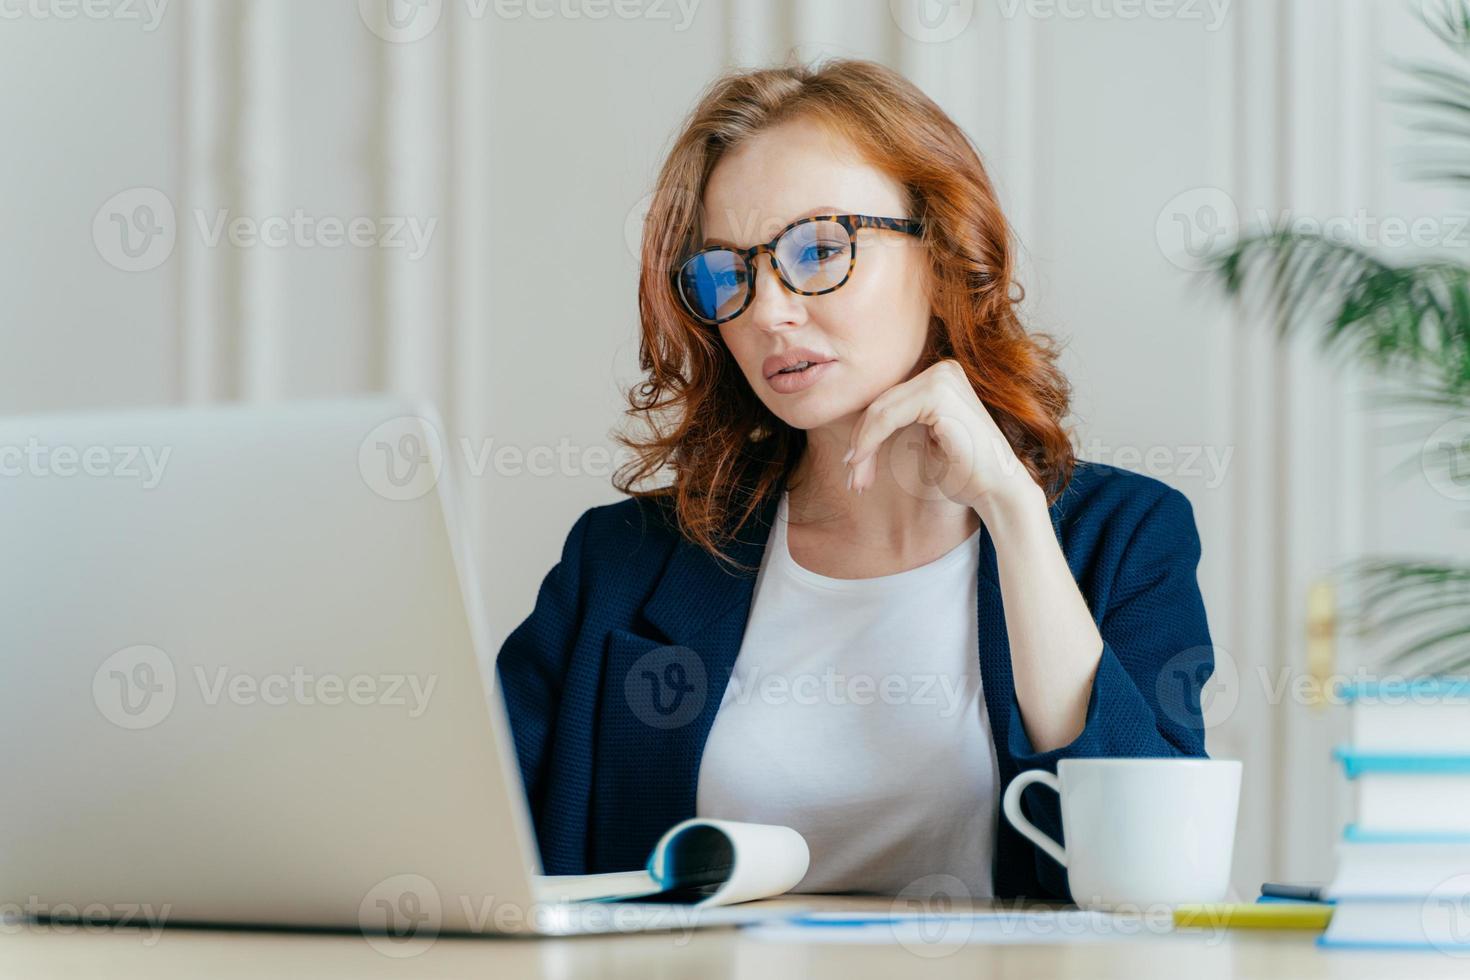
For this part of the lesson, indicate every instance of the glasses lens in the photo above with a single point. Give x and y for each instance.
(714, 283)
(815, 255)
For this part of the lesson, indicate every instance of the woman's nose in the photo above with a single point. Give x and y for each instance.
(774, 306)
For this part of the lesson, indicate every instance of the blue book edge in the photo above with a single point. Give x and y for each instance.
(1396, 690)
(1356, 763)
(1353, 834)
(1325, 943)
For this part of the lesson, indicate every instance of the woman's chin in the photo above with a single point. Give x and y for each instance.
(810, 416)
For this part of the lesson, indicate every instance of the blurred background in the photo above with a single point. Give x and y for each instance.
(256, 200)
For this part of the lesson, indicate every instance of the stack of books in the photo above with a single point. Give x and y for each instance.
(1403, 866)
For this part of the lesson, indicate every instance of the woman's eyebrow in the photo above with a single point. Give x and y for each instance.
(810, 212)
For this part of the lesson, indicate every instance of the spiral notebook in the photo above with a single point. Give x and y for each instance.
(701, 862)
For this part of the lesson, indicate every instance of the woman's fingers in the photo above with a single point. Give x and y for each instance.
(939, 398)
(888, 413)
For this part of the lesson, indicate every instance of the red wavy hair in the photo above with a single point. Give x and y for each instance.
(726, 451)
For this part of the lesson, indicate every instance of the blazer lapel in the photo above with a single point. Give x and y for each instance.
(696, 589)
(995, 650)
(661, 693)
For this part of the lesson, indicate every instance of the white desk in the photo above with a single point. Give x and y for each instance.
(39, 951)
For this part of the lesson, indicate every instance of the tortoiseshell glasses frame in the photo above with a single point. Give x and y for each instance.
(695, 283)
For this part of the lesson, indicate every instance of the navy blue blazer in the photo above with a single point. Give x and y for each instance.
(613, 681)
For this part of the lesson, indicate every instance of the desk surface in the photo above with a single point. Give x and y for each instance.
(36, 951)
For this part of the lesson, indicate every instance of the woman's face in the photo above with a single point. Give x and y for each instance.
(873, 328)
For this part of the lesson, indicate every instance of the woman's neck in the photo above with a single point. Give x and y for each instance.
(902, 511)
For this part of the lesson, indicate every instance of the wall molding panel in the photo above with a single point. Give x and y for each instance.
(285, 107)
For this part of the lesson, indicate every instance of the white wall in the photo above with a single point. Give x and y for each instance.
(521, 137)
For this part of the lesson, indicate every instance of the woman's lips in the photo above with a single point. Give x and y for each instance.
(794, 381)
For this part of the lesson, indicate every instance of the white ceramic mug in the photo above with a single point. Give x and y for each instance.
(1139, 832)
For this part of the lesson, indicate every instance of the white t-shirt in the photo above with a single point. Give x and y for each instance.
(854, 714)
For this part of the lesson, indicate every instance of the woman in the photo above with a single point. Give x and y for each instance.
(878, 585)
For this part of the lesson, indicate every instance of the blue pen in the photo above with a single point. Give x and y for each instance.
(1283, 891)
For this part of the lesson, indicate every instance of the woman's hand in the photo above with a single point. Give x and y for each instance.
(1055, 645)
(976, 464)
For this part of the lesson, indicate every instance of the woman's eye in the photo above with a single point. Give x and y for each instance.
(820, 252)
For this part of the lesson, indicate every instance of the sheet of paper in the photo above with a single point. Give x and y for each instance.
(918, 930)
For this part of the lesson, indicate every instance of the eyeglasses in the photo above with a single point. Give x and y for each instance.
(811, 256)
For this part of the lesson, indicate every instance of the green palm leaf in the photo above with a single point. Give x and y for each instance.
(1421, 604)
(1410, 321)
(1399, 318)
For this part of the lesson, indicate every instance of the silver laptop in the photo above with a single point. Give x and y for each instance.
(245, 680)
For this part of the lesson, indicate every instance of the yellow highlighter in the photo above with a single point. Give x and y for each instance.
(1255, 915)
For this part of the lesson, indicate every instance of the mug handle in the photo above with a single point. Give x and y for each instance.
(1012, 807)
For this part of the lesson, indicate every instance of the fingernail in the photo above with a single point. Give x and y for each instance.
(849, 479)
(849, 455)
